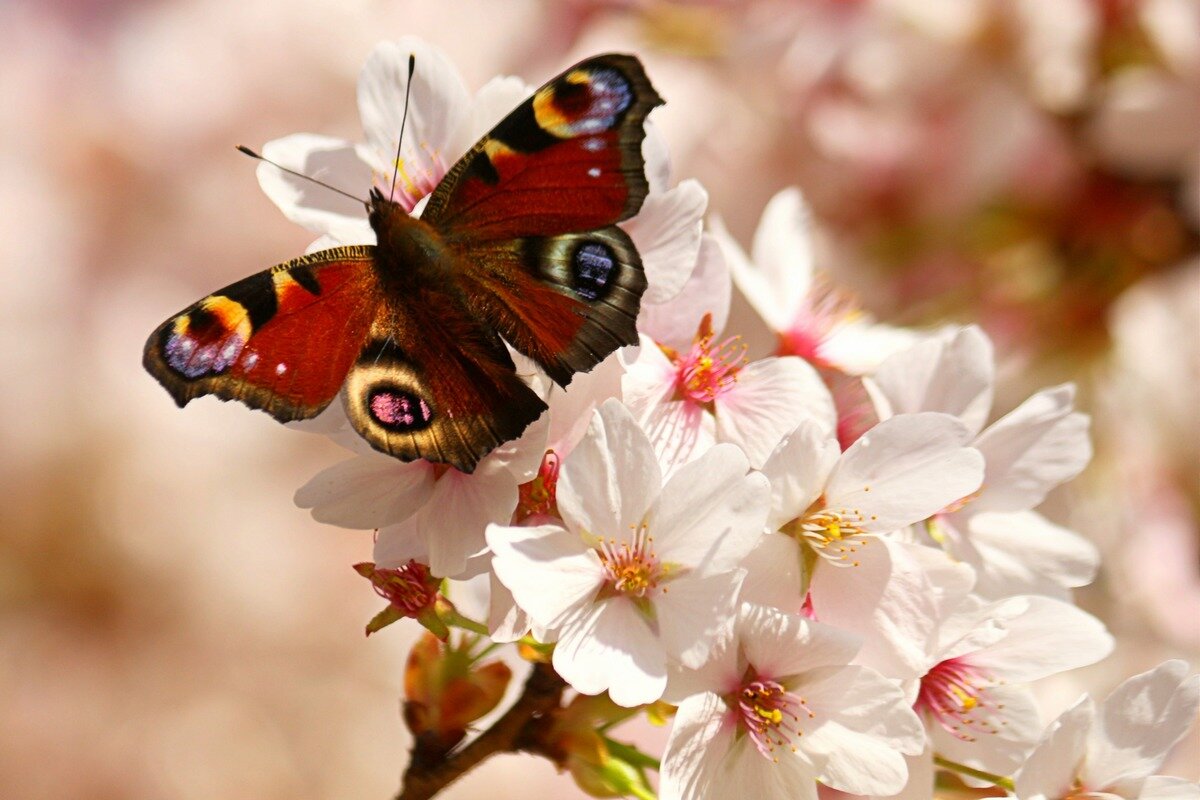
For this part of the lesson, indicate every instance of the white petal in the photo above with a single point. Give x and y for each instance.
(893, 607)
(1012, 712)
(1050, 771)
(396, 545)
(770, 399)
(797, 469)
(333, 161)
(460, 509)
(707, 291)
(494, 101)
(667, 233)
(903, 470)
(1039, 445)
(613, 649)
(506, 621)
(1024, 553)
(611, 477)
(783, 253)
(858, 345)
(656, 157)
(367, 492)
(701, 736)
(1139, 723)
(697, 613)
(775, 574)
(710, 513)
(779, 645)
(1043, 637)
(954, 375)
(571, 409)
(1166, 787)
(748, 278)
(678, 429)
(863, 726)
(438, 105)
(550, 572)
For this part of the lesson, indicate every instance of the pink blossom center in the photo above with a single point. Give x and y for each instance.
(632, 568)
(955, 694)
(710, 368)
(415, 177)
(770, 715)
(826, 310)
(539, 496)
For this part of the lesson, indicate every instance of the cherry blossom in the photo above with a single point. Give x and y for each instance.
(973, 695)
(831, 516)
(778, 707)
(1037, 446)
(1113, 751)
(639, 571)
(811, 319)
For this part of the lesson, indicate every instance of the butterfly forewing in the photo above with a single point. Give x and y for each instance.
(281, 340)
(567, 159)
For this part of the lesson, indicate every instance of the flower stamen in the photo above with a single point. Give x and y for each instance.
(954, 693)
(770, 715)
(708, 370)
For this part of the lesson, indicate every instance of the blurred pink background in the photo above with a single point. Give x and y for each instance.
(173, 627)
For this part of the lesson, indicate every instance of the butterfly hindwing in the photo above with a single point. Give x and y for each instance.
(432, 383)
(567, 159)
(566, 301)
(281, 340)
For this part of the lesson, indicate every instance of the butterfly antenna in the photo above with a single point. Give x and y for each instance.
(412, 65)
(247, 151)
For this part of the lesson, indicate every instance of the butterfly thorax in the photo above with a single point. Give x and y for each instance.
(409, 252)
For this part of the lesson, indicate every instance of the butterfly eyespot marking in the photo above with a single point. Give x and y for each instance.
(592, 267)
(398, 410)
(208, 339)
(583, 102)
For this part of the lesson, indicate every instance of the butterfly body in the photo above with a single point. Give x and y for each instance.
(518, 243)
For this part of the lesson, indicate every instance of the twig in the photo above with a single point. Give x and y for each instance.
(512, 732)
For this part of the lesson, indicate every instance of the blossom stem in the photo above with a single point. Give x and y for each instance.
(454, 619)
(962, 769)
(516, 730)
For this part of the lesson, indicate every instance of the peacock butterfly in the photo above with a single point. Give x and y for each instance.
(519, 241)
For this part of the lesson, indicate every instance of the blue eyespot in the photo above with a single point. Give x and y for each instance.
(593, 267)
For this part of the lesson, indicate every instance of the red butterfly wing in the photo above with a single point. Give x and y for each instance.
(567, 159)
(530, 210)
(280, 340)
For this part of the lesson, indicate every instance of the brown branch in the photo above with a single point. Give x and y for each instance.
(514, 731)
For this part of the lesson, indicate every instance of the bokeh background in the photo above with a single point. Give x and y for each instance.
(171, 626)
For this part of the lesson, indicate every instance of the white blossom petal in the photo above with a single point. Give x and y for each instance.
(673, 322)
(798, 469)
(437, 108)
(952, 374)
(1049, 772)
(314, 207)
(775, 574)
(710, 513)
(701, 737)
(1139, 723)
(780, 645)
(549, 570)
(770, 399)
(612, 476)
(488, 495)
(905, 469)
(667, 232)
(1043, 637)
(367, 492)
(865, 724)
(613, 649)
(1024, 553)
(696, 614)
(1039, 445)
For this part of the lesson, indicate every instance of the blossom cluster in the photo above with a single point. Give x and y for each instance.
(829, 559)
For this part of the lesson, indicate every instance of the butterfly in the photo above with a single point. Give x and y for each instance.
(517, 244)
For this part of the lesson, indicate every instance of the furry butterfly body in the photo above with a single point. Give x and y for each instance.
(518, 243)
